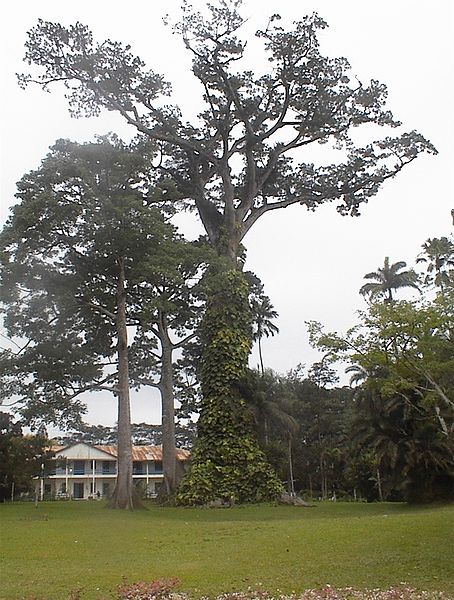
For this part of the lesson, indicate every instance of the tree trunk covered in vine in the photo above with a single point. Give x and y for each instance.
(227, 463)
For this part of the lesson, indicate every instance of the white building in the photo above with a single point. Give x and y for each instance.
(85, 471)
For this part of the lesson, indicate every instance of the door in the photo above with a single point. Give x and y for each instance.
(78, 490)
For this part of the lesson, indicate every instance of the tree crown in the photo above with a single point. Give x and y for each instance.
(241, 157)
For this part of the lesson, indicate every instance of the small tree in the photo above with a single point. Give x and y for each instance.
(388, 278)
(22, 458)
(262, 314)
(438, 255)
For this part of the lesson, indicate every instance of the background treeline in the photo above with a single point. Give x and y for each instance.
(388, 435)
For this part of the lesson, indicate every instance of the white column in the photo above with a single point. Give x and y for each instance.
(66, 479)
(93, 466)
(42, 482)
(146, 492)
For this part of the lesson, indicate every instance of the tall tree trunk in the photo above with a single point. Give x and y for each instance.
(123, 493)
(380, 491)
(260, 355)
(168, 411)
(226, 461)
(322, 477)
(321, 460)
(290, 464)
(265, 429)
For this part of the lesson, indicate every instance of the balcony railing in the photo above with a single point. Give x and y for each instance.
(87, 470)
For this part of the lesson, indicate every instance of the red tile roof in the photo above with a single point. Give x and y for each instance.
(139, 453)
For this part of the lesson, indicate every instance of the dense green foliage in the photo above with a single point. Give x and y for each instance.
(22, 458)
(304, 428)
(226, 462)
(402, 357)
(388, 436)
(60, 546)
(80, 215)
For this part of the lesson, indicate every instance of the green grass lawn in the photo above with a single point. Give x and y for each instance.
(59, 546)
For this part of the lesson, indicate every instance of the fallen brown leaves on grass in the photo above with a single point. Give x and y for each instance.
(162, 590)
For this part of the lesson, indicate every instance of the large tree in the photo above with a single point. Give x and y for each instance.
(246, 154)
(83, 248)
(169, 304)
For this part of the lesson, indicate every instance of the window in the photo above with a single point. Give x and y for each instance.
(138, 468)
(79, 467)
(108, 467)
(158, 466)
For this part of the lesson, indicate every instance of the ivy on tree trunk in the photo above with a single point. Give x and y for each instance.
(227, 463)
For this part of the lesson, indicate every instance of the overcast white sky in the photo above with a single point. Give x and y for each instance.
(312, 264)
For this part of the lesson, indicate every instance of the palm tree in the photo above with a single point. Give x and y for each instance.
(359, 374)
(438, 253)
(262, 314)
(269, 402)
(388, 278)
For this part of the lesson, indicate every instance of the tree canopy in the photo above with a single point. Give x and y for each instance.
(80, 215)
(237, 160)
